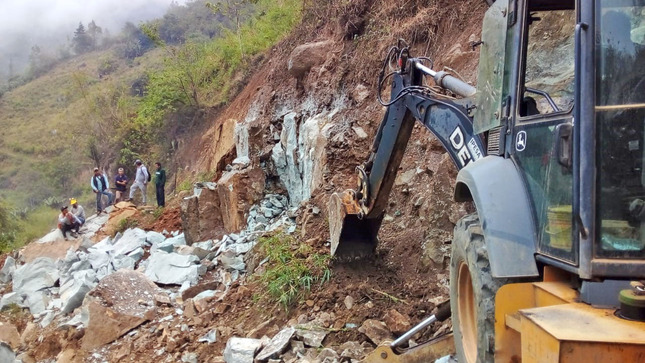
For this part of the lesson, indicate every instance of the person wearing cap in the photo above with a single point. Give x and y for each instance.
(78, 211)
(121, 180)
(160, 183)
(68, 222)
(140, 181)
(101, 187)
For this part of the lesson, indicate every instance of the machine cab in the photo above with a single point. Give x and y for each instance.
(566, 94)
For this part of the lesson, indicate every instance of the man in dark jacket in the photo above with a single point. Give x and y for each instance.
(160, 183)
(121, 180)
(101, 186)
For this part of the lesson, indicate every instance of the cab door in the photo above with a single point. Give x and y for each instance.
(541, 135)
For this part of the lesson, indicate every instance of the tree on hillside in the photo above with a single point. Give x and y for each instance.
(236, 11)
(95, 32)
(82, 42)
(135, 43)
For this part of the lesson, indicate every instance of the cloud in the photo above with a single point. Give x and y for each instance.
(50, 23)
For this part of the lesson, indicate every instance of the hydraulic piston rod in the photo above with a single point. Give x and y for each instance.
(442, 314)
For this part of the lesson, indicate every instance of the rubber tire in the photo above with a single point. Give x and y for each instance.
(469, 248)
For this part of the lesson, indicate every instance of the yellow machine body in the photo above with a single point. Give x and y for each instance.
(543, 322)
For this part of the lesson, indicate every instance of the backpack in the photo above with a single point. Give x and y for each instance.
(149, 176)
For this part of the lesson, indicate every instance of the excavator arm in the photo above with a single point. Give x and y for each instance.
(355, 216)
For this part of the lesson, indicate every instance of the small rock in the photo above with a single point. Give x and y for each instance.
(360, 133)
(241, 350)
(311, 334)
(210, 337)
(396, 322)
(327, 354)
(375, 330)
(277, 344)
(352, 350)
(189, 357)
(349, 302)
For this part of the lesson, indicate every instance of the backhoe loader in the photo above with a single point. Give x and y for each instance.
(549, 148)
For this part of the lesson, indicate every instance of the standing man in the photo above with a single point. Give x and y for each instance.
(121, 180)
(68, 222)
(140, 181)
(101, 187)
(160, 183)
(77, 211)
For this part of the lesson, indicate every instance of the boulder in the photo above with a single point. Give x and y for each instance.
(239, 190)
(310, 334)
(137, 254)
(216, 209)
(39, 274)
(9, 334)
(206, 245)
(7, 270)
(201, 215)
(375, 330)
(308, 55)
(119, 303)
(231, 261)
(37, 301)
(277, 345)
(192, 250)
(6, 353)
(241, 350)
(154, 238)
(169, 244)
(12, 298)
(73, 292)
(173, 268)
(132, 239)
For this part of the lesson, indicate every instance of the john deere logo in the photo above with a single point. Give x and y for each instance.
(520, 141)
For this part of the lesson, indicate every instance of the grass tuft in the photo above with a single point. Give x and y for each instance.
(293, 269)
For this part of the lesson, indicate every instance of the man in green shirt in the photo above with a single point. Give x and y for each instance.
(160, 183)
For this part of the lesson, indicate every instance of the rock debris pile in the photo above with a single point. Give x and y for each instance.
(115, 285)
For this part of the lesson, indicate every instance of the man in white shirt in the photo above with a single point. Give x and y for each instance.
(140, 181)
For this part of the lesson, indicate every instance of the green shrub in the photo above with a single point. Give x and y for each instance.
(292, 269)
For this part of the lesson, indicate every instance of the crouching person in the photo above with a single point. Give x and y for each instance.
(78, 211)
(68, 222)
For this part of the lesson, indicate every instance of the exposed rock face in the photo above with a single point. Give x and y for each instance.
(119, 303)
(299, 157)
(306, 56)
(217, 209)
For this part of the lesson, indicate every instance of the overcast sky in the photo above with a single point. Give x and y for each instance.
(24, 23)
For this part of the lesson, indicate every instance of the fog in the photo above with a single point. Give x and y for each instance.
(51, 23)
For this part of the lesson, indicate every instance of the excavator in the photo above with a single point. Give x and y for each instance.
(549, 149)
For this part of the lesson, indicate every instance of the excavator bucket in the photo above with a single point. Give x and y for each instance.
(352, 238)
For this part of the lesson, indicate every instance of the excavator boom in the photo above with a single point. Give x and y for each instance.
(355, 216)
